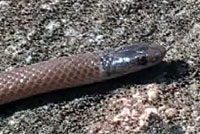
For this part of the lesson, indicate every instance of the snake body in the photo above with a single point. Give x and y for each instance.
(67, 72)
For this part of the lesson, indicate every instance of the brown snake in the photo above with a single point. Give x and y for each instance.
(77, 70)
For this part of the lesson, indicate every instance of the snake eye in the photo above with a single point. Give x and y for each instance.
(142, 60)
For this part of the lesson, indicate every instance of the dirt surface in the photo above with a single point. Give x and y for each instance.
(164, 99)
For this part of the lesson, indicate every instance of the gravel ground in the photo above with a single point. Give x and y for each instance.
(164, 99)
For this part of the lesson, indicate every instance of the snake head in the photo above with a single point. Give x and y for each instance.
(133, 58)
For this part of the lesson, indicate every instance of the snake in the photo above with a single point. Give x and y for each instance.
(77, 70)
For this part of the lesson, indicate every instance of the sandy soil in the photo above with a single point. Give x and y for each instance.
(164, 99)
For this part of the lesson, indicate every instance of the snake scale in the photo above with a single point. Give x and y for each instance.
(73, 71)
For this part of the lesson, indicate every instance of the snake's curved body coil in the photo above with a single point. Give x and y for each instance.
(77, 70)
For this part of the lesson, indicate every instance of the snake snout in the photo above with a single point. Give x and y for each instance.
(156, 53)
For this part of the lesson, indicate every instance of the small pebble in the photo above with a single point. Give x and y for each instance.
(153, 92)
(171, 112)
